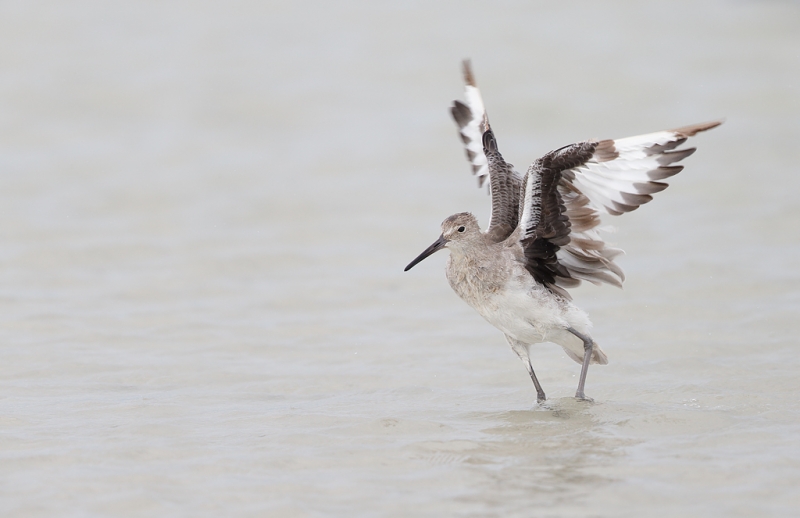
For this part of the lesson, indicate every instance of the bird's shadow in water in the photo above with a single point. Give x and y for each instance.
(580, 414)
(559, 446)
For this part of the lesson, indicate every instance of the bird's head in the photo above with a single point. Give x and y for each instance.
(458, 231)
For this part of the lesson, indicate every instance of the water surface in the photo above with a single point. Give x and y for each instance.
(206, 209)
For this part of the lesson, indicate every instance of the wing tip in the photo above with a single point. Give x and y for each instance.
(693, 129)
(466, 68)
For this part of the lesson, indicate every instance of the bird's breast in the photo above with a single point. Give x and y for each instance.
(476, 282)
(508, 298)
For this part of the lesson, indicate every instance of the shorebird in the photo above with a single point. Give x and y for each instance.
(542, 236)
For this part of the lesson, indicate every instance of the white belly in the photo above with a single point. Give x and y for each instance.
(527, 315)
(523, 309)
(535, 316)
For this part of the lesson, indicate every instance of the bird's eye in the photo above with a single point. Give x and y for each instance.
(461, 229)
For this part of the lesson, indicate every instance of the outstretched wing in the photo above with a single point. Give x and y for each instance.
(472, 123)
(559, 224)
(506, 188)
(505, 183)
(545, 225)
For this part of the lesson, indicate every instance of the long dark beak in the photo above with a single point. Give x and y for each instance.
(435, 247)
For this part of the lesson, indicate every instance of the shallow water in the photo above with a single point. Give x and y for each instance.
(206, 210)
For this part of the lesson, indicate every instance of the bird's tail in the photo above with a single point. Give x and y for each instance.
(598, 356)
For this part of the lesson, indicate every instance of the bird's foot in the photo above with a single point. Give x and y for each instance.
(542, 404)
(583, 397)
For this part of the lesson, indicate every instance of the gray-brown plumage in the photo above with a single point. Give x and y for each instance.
(542, 236)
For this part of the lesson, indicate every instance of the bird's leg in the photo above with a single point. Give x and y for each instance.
(587, 357)
(540, 397)
(521, 349)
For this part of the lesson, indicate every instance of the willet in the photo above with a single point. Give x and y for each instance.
(543, 234)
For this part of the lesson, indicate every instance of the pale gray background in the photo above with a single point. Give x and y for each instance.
(205, 209)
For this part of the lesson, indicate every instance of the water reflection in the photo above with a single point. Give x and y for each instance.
(554, 454)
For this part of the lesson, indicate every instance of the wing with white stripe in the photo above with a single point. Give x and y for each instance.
(620, 176)
(504, 182)
(593, 178)
(472, 123)
(624, 173)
